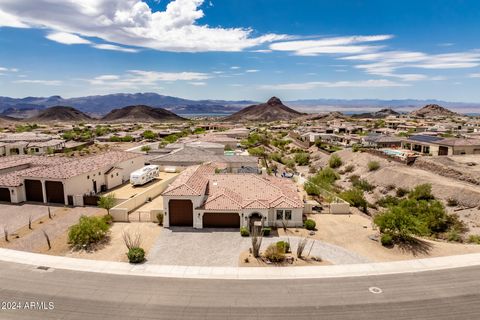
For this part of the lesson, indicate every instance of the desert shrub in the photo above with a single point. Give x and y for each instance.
(267, 231)
(302, 158)
(361, 184)
(324, 179)
(386, 240)
(284, 246)
(335, 161)
(401, 192)
(390, 187)
(373, 165)
(355, 198)
(310, 224)
(349, 168)
(474, 239)
(146, 149)
(452, 202)
(274, 254)
(422, 192)
(388, 201)
(108, 219)
(87, 232)
(454, 236)
(356, 147)
(244, 232)
(160, 218)
(136, 255)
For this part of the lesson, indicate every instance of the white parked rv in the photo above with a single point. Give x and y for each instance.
(144, 175)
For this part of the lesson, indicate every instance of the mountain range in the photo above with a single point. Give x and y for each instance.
(272, 110)
(100, 105)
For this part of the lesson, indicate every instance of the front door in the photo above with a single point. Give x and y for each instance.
(94, 186)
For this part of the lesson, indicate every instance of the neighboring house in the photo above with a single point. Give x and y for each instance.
(63, 180)
(29, 143)
(188, 156)
(200, 198)
(381, 141)
(438, 146)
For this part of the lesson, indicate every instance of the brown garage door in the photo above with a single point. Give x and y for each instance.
(221, 220)
(180, 213)
(5, 195)
(33, 190)
(54, 192)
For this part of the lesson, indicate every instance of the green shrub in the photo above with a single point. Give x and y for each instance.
(274, 254)
(373, 165)
(284, 246)
(349, 168)
(356, 147)
(302, 158)
(108, 219)
(266, 231)
(355, 198)
(454, 235)
(422, 192)
(324, 179)
(310, 224)
(160, 218)
(361, 184)
(386, 240)
(388, 201)
(335, 161)
(87, 232)
(244, 232)
(401, 192)
(136, 255)
(474, 239)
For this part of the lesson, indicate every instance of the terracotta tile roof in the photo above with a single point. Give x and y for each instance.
(191, 182)
(13, 169)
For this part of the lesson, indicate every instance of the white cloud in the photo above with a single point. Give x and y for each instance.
(66, 38)
(132, 23)
(41, 82)
(141, 78)
(198, 83)
(373, 83)
(251, 70)
(387, 63)
(235, 68)
(336, 45)
(106, 46)
(474, 75)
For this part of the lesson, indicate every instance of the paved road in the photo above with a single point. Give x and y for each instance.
(447, 294)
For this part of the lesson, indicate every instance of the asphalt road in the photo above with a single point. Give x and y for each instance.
(447, 294)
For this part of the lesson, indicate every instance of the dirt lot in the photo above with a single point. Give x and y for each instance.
(352, 233)
(114, 249)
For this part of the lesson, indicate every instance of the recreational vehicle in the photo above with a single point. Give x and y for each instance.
(144, 175)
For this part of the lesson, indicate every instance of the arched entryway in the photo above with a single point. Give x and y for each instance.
(254, 217)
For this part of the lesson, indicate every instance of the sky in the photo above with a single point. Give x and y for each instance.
(242, 50)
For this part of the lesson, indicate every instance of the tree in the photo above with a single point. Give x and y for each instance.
(107, 202)
(149, 135)
(87, 232)
(398, 222)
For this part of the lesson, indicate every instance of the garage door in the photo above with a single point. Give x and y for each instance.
(221, 220)
(54, 192)
(5, 195)
(180, 213)
(33, 190)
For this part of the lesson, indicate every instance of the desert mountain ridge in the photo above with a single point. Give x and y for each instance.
(272, 110)
(141, 113)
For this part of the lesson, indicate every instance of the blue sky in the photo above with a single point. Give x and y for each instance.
(237, 49)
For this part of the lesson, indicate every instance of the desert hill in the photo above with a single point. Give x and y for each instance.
(272, 110)
(433, 110)
(141, 113)
(383, 113)
(60, 113)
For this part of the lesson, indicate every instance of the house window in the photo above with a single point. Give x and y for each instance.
(279, 214)
(117, 174)
(288, 214)
(111, 175)
(88, 177)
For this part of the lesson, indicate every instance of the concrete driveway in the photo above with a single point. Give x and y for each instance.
(222, 247)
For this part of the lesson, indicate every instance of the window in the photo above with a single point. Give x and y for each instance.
(288, 214)
(88, 177)
(279, 214)
(111, 175)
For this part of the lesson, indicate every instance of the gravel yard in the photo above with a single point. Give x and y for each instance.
(14, 217)
(222, 247)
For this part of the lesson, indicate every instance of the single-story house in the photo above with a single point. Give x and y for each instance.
(438, 146)
(188, 156)
(201, 198)
(64, 180)
(381, 141)
(29, 143)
